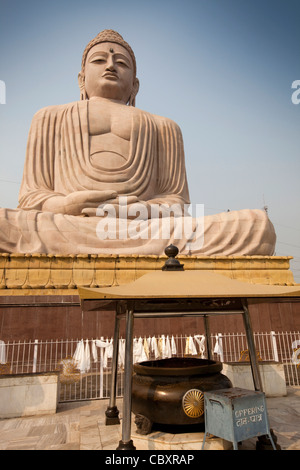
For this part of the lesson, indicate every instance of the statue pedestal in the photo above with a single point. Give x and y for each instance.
(39, 297)
(40, 274)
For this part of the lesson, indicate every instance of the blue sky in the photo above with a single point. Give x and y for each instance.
(222, 69)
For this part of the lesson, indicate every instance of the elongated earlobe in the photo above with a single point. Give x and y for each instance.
(83, 95)
(134, 92)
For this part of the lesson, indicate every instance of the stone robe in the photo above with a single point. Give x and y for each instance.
(58, 163)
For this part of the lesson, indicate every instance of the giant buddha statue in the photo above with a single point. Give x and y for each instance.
(101, 163)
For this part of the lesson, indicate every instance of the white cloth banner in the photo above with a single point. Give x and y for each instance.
(87, 356)
(161, 347)
(146, 348)
(165, 345)
(82, 356)
(139, 354)
(168, 351)
(121, 355)
(154, 347)
(173, 346)
(108, 353)
(200, 340)
(218, 349)
(190, 348)
(94, 351)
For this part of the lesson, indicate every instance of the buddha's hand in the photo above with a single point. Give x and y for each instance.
(79, 202)
(119, 207)
(131, 207)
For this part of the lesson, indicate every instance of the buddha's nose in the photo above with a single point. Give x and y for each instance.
(110, 65)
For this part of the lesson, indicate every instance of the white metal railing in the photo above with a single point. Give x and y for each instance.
(85, 365)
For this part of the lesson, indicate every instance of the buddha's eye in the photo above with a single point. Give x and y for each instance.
(98, 60)
(121, 62)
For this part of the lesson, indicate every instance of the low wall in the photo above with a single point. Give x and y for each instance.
(272, 376)
(46, 317)
(28, 394)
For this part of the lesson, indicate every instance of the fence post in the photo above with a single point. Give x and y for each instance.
(2, 353)
(35, 351)
(274, 346)
(101, 368)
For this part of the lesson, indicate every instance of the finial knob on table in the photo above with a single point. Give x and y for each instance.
(172, 264)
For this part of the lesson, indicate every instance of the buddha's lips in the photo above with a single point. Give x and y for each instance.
(110, 75)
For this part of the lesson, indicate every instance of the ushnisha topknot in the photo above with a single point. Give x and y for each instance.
(108, 35)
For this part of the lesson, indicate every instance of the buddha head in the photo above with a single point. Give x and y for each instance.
(108, 69)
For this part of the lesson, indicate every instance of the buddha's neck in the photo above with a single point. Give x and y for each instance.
(107, 100)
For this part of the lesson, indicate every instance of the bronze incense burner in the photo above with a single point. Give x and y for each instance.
(170, 391)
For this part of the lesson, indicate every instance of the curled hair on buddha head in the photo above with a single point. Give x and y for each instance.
(109, 35)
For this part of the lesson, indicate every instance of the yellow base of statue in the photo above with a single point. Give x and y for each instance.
(39, 274)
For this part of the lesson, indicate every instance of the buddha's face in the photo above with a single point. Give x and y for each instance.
(109, 72)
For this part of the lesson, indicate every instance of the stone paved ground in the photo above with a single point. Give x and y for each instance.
(81, 426)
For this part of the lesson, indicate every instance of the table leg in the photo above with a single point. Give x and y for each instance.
(203, 443)
(112, 412)
(252, 352)
(208, 337)
(126, 443)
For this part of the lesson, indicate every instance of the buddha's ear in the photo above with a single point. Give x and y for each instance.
(83, 95)
(135, 89)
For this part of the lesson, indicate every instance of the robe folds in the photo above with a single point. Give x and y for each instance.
(58, 163)
(58, 158)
